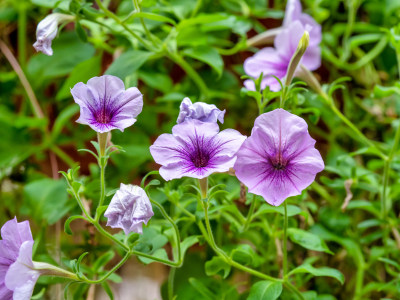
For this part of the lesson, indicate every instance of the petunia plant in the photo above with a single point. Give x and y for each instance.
(140, 166)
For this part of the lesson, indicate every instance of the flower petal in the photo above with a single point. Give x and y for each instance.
(5, 293)
(21, 277)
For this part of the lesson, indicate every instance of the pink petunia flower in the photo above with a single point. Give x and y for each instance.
(278, 160)
(196, 149)
(106, 105)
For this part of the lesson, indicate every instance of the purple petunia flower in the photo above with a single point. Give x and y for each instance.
(106, 105)
(278, 160)
(129, 209)
(199, 111)
(17, 274)
(47, 30)
(275, 61)
(196, 149)
(294, 13)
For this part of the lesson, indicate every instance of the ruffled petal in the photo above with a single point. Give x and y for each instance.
(21, 277)
(129, 209)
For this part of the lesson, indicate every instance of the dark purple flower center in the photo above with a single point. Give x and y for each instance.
(278, 162)
(200, 158)
(103, 116)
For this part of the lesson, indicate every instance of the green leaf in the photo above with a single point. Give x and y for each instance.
(292, 210)
(82, 72)
(188, 242)
(63, 118)
(157, 80)
(202, 289)
(245, 255)
(107, 289)
(217, 266)
(208, 55)
(47, 200)
(159, 253)
(324, 271)
(68, 50)
(308, 240)
(265, 290)
(390, 262)
(151, 16)
(128, 63)
(385, 91)
(103, 260)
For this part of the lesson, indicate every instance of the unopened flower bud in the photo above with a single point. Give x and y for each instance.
(294, 62)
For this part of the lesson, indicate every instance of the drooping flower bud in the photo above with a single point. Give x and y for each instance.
(199, 111)
(47, 30)
(129, 209)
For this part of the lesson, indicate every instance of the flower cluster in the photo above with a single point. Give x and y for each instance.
(277, 161)
(275, 61)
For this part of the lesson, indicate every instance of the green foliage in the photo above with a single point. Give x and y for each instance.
(46, 200)
(190, 48)
(265, 290)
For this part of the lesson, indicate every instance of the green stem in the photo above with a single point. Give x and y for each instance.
(250, 213)
(285, 226)
(102, 140)
(22, 33)
(225, 256)
(386, 174)
(109, 236)
(177, 234)
(293, 289)
(78, 199)
(62, 155)
(120, 22)
(349, 29)
(146, 30)
(171, 279)
(309, 77)
(196, 8)
(111, 271)
(190, 71)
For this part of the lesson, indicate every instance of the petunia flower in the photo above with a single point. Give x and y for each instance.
(106, 105)
(278, 160)
(17, 274)
(294, 13)
(129, 209)
(47, 30)
(275, 61)
(199, 111)
(196, 149)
